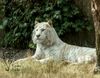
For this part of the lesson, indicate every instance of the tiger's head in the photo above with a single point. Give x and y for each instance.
(43, 33)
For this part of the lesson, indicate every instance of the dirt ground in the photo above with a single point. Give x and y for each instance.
(10, 53)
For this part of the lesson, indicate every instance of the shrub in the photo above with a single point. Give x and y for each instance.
(20, 16)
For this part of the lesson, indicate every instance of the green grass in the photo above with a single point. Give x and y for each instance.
(51, 70)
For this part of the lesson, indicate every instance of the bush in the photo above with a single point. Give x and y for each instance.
(20, 16)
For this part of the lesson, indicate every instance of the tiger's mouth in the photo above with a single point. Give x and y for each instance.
(39, 39)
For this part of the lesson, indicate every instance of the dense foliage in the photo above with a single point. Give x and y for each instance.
(20, 15)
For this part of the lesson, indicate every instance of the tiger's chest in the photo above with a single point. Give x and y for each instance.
(54, 52)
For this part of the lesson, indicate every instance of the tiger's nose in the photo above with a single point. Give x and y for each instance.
(37, 35)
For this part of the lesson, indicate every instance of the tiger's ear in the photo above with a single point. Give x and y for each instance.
(50, 22)
(36, 22)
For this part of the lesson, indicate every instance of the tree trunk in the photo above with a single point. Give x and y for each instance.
(95, 8)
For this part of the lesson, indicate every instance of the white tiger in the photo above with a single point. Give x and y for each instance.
(50, 47)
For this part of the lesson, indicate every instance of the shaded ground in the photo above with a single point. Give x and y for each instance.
(9, 53)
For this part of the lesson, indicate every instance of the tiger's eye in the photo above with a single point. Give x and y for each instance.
(36, 29)
(42, 29)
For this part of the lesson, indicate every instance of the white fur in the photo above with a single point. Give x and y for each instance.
(51, 47)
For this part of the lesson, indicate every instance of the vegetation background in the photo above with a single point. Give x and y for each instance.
(18, 17)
